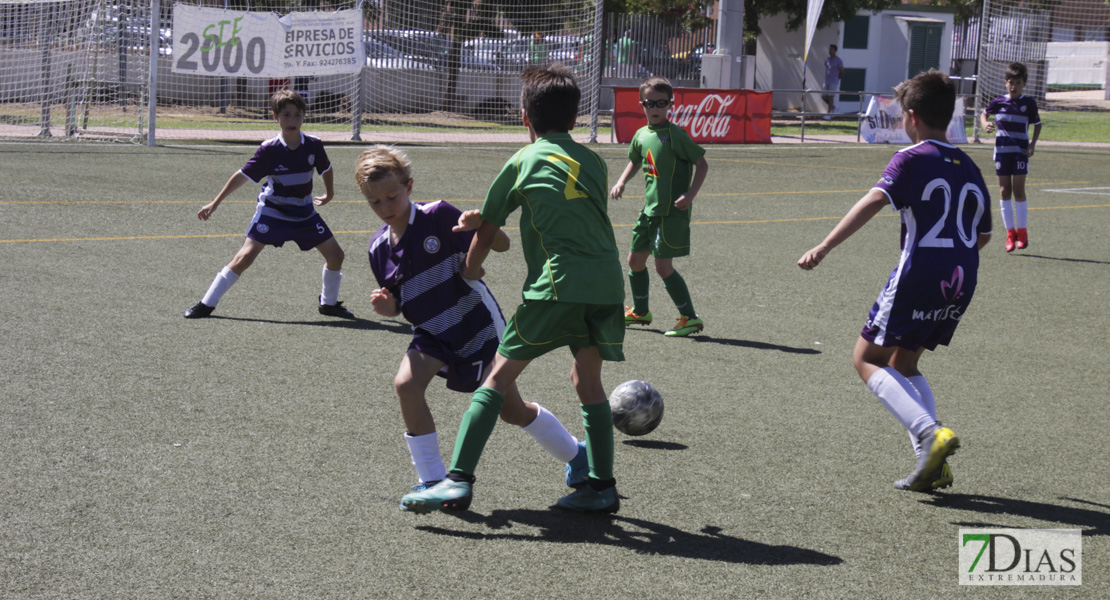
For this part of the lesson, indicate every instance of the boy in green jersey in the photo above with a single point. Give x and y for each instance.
(668, 158)
(573, 293)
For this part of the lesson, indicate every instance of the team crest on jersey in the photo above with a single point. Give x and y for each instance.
(431, 244)
(262, 227)
(311, 159)
(649, 163)
(886, 180)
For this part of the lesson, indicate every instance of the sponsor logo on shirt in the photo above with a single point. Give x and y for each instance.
(280, 168)
(649, 164)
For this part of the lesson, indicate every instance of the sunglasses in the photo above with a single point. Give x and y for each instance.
(655, 103)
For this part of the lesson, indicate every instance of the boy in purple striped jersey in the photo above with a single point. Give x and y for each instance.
(457, 325)
(286, 210)
(1013, 147)
(945, 210)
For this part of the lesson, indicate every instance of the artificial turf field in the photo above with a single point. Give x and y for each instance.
(258, 453)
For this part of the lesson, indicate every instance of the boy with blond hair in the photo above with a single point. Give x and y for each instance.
(457, 324)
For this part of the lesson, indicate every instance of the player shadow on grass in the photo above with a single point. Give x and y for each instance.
(708, 339)
(355, 323)
(1064, 259)
(1094, 522)
(638, 535)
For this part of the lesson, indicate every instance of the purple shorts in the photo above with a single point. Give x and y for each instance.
(462, 374)
(922, 312)
(275, 232)
(1011, 163)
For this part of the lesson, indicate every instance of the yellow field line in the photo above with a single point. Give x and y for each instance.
(702, 195)
(369, 231)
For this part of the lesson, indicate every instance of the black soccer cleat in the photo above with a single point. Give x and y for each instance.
(336, 310)
(199, 310)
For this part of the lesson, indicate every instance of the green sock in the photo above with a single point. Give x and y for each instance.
(475, 429)
(641, 290)
(598, 420)
(680, 294)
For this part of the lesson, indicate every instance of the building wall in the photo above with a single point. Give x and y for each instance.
(886, 58)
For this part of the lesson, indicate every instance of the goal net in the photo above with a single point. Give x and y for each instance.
(427, 70)
(1064, 45)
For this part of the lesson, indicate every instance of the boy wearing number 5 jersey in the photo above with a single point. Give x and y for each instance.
(946, 220)
(286, 209)
(573, 293)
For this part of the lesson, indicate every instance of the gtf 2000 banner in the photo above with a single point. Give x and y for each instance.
(211, 41)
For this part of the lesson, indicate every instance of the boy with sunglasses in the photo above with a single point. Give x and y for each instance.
(674, 169)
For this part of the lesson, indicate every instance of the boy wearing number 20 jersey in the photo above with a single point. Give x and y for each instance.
(944, 205)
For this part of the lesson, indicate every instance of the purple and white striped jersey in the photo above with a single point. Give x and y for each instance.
(287, 194)
(423, 273)
(1012, 119)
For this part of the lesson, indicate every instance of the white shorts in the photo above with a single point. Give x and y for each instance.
(831, 87)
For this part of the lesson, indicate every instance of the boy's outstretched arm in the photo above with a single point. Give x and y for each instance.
(1033, 140)
(480, 246)
(701, 168)
(384, 303)
(329, 188)
(233, 183)
(867, 207)
(985, 122)
(618, 189)
(472, 219)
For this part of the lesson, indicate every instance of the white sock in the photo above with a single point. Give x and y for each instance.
(329, 294)
(926, 392)
(1007, 207)
(1021, 214)
(424, 450)
(552, 436)
(900, 398)
(221, 284)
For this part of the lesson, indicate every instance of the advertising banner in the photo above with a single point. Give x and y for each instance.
(883, 123)
(212, 41)
(709, 116)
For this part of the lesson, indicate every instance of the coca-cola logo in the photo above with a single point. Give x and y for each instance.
(705, 120)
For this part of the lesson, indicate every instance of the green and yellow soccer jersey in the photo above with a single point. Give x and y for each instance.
(667, 156)
(561, 188)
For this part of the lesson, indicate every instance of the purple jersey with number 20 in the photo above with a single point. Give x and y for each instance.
(944, 206)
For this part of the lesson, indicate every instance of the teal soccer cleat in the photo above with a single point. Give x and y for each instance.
(587, 499)
(447, 495)
(578, 469)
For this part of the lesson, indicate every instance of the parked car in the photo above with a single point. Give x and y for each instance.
(380, 55)
(657, 61)
(567, 49)
(429, 47)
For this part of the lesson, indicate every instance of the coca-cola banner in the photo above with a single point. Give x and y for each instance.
(709, 116)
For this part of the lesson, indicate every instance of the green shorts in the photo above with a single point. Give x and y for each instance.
(664, 237)
(540, 326)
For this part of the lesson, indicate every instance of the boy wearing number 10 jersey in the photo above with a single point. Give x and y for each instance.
(943, 202)
(573, 294)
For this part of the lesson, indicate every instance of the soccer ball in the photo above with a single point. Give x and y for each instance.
(637, 407)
